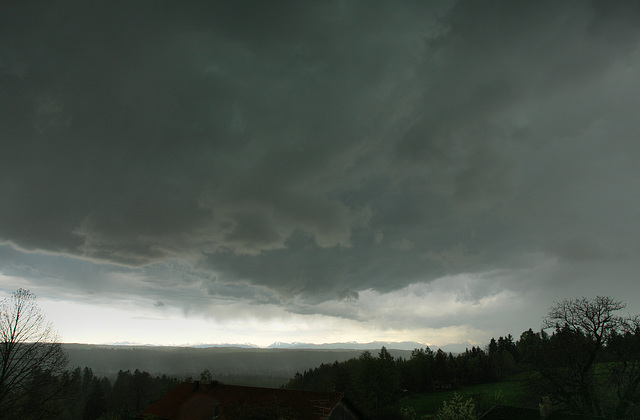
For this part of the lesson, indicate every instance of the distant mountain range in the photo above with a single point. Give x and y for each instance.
(242, 346)
(349, 345)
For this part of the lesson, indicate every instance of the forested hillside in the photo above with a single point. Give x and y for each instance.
(589, 363)
(585, 359)
(233, 365)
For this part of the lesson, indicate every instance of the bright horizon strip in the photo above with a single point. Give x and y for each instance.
(108, 325)
(115, 325)
(427, 313)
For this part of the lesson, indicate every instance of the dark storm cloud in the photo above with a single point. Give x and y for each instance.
(319, 149)
(348, 295)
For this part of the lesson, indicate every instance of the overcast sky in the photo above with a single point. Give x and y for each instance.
(317, 171)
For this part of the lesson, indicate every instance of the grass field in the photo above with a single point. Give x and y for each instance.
(485, 396)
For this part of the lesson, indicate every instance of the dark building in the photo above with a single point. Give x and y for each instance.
(195, 401)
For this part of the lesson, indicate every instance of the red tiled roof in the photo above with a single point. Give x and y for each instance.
(197, 401)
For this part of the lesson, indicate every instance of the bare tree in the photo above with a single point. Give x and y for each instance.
(595, 318)
(583, 329)
(31, 358)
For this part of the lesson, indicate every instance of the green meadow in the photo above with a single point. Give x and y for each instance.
(484, 396)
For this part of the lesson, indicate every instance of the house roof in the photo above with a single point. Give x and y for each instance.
(505, 412)
(191, 400)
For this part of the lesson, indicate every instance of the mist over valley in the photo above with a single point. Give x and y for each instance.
(227, 363)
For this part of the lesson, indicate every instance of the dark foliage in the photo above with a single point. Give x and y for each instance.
(589, 364)
(89, 397)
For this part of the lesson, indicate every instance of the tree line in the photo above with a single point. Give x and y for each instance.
(588, 363)
(36, 384)
(81, 395)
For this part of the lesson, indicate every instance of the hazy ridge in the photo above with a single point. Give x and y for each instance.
(239, 365)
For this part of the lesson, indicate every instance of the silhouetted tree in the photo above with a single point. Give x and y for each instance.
(123, 399)
(492, 348)
(506, 344)
(530, 346)
(582, 329)
(441, 372)
(474, 366)
(417, 374)
(30, 356)
(205, 376)
(624, 368)
(96, 402)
